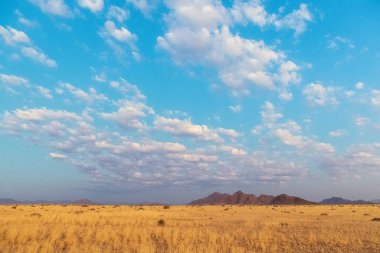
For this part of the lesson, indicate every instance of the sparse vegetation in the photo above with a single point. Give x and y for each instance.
(189, 229)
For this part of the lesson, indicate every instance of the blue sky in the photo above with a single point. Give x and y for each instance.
(139, 100)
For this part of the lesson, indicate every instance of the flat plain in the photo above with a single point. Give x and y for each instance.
(211, 229)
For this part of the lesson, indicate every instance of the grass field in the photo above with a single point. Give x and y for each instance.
(57, 228)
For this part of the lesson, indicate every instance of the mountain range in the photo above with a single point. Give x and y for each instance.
(341, 201)
(241, 198)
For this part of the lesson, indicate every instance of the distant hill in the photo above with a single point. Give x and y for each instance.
(9, 202)
(341, 201)
(241, 198)
(377, 201)
(83, 202)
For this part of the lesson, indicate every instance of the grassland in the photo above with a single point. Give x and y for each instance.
(57, 228)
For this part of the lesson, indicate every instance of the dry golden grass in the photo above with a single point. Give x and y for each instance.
(57, 228)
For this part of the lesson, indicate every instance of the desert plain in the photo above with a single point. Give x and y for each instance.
(211, 229)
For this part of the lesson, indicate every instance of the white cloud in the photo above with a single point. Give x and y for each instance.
(199, 33)
(269, 114)
(145, 6)
(295, 20)
(12, 36)
(130, 114)
(89, 97)
(252, 11)
(229, 132)
(285, 95)
(178, 127)
(101, 77)
(233, 151)
(359, 85)
(37, 56)
(43, 114)
(361, 121)
(54, 7)
(235, 108)
(338, 133)
(44, 92)
(92, 5)
(24, 21)
(12, 80)
(290, 139)
(122, 34)
(57, 156)
(117, 13)
(375, 100)
(317, 94)
(338, 41)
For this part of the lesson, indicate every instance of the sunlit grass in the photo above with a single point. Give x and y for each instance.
(57, 228)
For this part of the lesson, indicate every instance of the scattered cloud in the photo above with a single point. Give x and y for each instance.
(88, 97)
(45, 92)
(179, 127)
(57, 156)
(117, 13)
(129, 114)
(92, 5)
(12, 80)
(296, 20)
(145, 6)
(338, 41)
(359, 85)
(11, 36)
(122, 34)
(235, 108)
(53, 7)
(338, 133)
(38, 56)
(317, 94)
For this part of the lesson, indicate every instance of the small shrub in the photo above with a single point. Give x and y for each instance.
(161, 223)
(324, 214)
(166, 207)
(37, 215)
(375, 219)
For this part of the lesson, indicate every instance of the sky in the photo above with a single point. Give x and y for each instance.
(171, 100)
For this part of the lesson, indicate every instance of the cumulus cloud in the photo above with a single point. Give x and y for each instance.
(12, 80)
(89, 97)
(117, 13)
(179, 127)
(359, 85)
(92, 5)
(12, 36)
(122, 34)
(44, 92)
(129, 114)
(145, 6)
(199, 33)
(53, 7)
(317, 94)
(57, 156)
(296, 20)
(38, 56)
